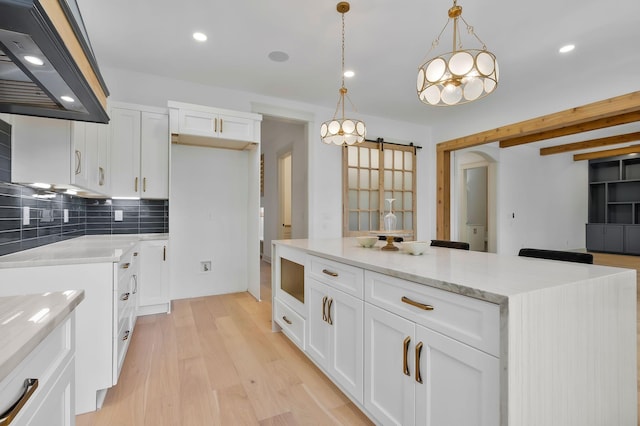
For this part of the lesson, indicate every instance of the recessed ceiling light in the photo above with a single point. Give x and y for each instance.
(67, 98)
(278, 56)
(200, 36)
(567, 48)
(349, 74)
(34, 60)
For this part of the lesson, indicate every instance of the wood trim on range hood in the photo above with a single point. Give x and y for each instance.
(50, 27)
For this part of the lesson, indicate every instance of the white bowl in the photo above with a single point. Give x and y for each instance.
(415, 247)
(367, 241)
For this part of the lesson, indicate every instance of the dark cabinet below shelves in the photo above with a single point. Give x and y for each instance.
(605, 237)
(632, 239)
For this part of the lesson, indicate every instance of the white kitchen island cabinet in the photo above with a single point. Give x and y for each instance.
(455, 337)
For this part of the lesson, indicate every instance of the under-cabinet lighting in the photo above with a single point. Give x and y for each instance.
(71, 192)
(41, 185)
(125, 198)
(67, 98)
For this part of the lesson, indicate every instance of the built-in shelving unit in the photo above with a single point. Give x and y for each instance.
(614, 205)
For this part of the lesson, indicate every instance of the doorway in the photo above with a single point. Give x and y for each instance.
(284, 196)
(476, 210)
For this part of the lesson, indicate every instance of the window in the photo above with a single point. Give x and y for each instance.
(373, 172)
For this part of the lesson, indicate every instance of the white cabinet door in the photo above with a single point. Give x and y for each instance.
(346, 318)
(317, 326)
(236, 128)
(335, 339)
(389, 366)
(33, 160)
(154, 164)
(153, 293)
(58, 407)
(125, 152)
(460, 384)
(215, 125)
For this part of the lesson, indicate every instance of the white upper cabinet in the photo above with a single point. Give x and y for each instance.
(139, 152)
(213, 127)
(60, 152)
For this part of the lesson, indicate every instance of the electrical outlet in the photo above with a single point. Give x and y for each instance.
(205, 266)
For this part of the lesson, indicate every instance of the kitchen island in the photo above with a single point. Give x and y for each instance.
(459, 337)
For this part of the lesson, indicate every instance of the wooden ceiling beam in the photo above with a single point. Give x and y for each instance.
(602, 123)
(633, 149)
(597, 112)
(593, 143)
(600, 110)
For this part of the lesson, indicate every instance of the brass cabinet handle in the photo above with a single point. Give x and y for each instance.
(126, 265)
(135, 283)
(405, 354)
(164, 253)
(30, 386)
(221, 125)
(418, 354)
(284, 317)
(324, 306)
(329, 320)
(135, 185)
(101, 176)
(215, 125)
(144, 184)
(330, 273)
(417, 304)
(78, 162)
(125, 336)
(125, 296)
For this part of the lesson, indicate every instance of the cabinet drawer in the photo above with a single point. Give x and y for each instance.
(468, 320)
(338, 275)
(292, 324)
(43, 363)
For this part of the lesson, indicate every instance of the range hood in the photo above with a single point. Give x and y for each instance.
(47, 67)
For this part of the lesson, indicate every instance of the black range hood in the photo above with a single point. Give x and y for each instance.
(47, 67)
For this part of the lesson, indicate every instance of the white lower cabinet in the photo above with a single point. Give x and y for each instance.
(48, 399)
(334, 335)
(153, 296)
(416, 376)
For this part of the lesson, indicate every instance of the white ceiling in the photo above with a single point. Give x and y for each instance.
(385, 42)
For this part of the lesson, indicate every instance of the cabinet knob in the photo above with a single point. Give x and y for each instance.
(125, 296)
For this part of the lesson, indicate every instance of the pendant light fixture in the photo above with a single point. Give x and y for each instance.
(342, 131)
(460, 76)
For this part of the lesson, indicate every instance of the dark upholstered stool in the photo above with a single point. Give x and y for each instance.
(567, 256)
(450, 244)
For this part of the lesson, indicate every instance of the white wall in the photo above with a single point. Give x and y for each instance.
(541, 200)
(208, 220)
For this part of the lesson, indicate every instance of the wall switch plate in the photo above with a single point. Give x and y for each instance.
(65, 215)
(117, 215)
(25, 215)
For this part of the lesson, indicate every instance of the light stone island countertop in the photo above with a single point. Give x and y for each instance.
(86, 249)
(484, 276)
(27, 320)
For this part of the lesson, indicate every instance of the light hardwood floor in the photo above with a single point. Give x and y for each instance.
(215, 361)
